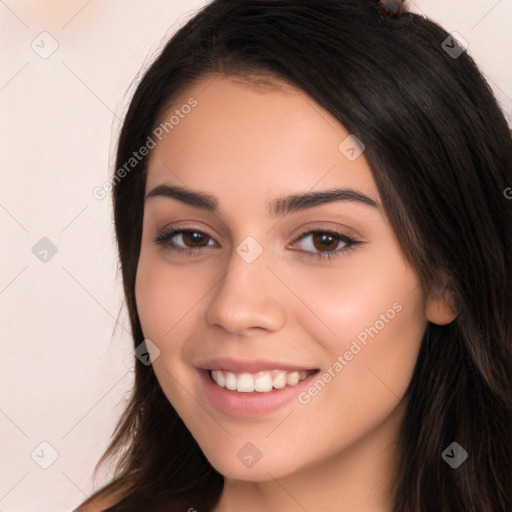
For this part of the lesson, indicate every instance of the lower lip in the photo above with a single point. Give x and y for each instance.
(255, 403)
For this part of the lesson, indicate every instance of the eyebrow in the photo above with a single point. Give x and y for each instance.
(280, 206)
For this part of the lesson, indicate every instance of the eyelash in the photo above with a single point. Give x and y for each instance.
(164, 239)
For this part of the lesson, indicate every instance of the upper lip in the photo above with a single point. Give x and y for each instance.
(249, 365)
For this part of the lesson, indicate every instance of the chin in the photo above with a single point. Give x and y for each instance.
(242, 460)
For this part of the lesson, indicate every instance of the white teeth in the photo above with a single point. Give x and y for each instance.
(219, 377)
(245, 383)
(279, 380)
(262, 382)
(292, 378)
(230, 380)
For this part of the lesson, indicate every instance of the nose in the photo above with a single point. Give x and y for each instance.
(246, 299)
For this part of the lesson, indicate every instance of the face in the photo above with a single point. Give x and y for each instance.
(283, 331)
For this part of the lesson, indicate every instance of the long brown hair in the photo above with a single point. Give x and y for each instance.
(441, 155)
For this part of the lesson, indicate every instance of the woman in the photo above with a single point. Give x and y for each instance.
(316, 252)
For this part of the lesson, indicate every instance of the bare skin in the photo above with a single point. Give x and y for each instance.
(247, 146)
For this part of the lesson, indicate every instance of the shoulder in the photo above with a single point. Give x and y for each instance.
(101, 500)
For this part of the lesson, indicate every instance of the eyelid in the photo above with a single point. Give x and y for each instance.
(305, 227)
(326, 227)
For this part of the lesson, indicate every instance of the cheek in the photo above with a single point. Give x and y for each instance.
(377, 321)
(379, 353)
(364, 382)
(369, 323)
(165, 298)
(367, 298)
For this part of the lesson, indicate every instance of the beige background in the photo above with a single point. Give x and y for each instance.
(65, 367)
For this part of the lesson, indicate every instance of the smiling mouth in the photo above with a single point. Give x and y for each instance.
(262, 382)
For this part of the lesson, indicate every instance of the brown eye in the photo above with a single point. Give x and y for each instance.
(182, 239)
(326, 243)
(195, 238)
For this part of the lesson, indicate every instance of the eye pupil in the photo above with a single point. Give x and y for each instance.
(326, 241)
(194, 237)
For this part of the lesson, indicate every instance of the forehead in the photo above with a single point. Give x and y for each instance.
(254, 136)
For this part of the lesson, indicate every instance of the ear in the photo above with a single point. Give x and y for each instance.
(440, 308)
